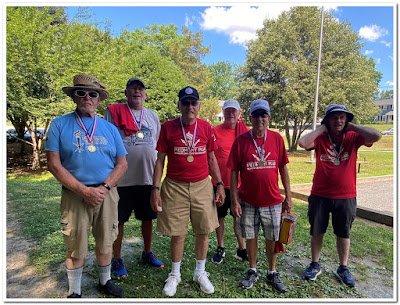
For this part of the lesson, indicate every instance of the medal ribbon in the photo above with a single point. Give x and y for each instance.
(189, 147)
(139, 125)
(334, 146)
(89, 135)
(259, 149)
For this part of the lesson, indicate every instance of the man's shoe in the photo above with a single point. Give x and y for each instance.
(344, 275)
(110, 288)
(219, 255)
(312, 271)
(74, 295)
(249, 279)
(150, 259)
(202, 279)
(171, 283)
(275, 281)
(118, 269)
(241, 254)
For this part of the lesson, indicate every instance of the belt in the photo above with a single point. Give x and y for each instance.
(88, 185)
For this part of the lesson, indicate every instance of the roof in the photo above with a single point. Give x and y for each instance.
(384, 102)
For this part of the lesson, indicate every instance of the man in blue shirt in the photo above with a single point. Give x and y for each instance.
(86, 154)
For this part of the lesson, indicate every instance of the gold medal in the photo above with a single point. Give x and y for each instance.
(91, 148)
(261, 163)
(140, 134)
(190, 158)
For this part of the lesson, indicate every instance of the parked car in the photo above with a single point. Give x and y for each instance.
(11, 135)
(388, 132)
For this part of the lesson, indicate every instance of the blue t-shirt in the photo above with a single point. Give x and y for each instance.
(67, 138)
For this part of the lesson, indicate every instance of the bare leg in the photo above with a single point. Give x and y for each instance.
(177, 244)
(201, 246)
(147, 233)
(343, 249)
(220, 232)
(236, 228)
(271, 255)
(251, 245)
(118, 242)
(316, 246)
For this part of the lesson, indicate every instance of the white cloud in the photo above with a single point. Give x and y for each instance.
(372, 32)
(240, 22)
(188, 20)
(386, 43)
(378, 61)
(389, 83)
(368, 52)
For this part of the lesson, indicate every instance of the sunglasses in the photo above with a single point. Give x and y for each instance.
(189, 102)
(262, 114)
(83, 93)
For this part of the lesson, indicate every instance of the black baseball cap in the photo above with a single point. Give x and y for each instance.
(188, 92)
(134, 80)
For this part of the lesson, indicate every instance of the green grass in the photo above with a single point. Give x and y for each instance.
(34, 199)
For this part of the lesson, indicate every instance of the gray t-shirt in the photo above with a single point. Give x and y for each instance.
(142, 153)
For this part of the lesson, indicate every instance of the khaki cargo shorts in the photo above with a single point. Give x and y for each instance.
(77, 217)
(183, 202)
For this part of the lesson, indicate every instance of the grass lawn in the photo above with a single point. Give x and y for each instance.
(34, 199)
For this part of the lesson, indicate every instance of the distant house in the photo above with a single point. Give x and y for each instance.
(386, 110)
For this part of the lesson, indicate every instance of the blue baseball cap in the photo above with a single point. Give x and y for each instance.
(259, 104)
(231, 104)
(331, 108)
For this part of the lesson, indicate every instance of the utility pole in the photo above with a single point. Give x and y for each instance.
(312, 155)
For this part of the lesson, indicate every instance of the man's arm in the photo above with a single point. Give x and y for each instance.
(370, 135)
(216, 175)
(118, 171)
(155, 199)
(287, 203)
(236, 208)
(307, 141)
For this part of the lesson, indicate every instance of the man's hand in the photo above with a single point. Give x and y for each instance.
(287, 205)
(155, 201)
(219, 195)
(94, 196)
(236, 208)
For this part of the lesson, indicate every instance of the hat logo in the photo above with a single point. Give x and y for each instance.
(188, 90)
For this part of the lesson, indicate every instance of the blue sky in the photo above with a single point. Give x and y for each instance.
(227, 29)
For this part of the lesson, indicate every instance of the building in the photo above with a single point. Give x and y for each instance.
(386, 110)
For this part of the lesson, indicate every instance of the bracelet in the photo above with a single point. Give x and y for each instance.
(153, 187)
(108, 187)
(219, 183)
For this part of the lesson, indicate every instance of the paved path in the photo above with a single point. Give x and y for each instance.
(374, 193)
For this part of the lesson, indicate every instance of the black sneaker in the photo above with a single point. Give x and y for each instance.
(249, 279)
(276, 282)
(344, 275)
(219, 255)
(312, 271)
(110, 288)
(74, 295)
(241, 254)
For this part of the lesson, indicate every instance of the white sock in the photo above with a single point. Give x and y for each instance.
(176, 268)
(74, 280)
(254, 269)
(271, 271)
(104, 274)
(200, 266)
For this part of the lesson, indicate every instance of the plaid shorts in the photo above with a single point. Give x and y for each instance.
(252, 217)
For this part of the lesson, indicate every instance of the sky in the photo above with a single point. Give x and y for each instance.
(226, 30)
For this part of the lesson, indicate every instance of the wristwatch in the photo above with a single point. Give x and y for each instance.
(219, 183)
(108, 187)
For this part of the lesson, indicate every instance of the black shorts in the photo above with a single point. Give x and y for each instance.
(135, 198)
(343, 214)
(222, 210)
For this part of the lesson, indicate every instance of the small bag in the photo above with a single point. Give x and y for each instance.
(288, 224)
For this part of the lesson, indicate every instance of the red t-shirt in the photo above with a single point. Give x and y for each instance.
(335, 174)
(172, 142)
(225, 137)
(259, 183)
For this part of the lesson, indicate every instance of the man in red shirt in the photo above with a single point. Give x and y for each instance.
(186, 193)
(258, 156)
(336, 143)
(225, 134)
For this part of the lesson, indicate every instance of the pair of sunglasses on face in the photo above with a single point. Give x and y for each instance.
(260, 113)
(84, 93)
(189, 102)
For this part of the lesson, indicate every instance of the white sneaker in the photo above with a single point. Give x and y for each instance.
(171, 283)
(205, 285)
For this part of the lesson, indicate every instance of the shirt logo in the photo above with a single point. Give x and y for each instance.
(196, 150)
(334, 156)
(260, 162)
(188, 90)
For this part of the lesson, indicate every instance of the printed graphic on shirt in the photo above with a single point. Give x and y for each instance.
(190, 147)
(135, 140)
(81, 142)
(334, 156)
(261, 162)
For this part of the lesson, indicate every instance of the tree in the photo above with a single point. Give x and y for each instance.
(224, 81)
(281, 66)
(209, 108)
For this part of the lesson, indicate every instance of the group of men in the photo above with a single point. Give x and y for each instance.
(110, 167)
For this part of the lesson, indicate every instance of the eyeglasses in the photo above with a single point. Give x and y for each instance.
(189, 102)
(262, 114)
(83, 93)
